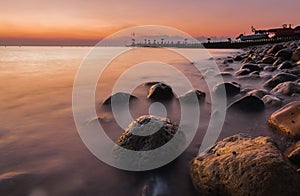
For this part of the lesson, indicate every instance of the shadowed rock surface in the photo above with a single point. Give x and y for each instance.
(243, 165)
(248, 104)
(189, 97)
(227, 88)
(119, 98)
(160, 91)
(279, 78)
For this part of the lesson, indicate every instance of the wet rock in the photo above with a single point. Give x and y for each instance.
(225, 74)
(284, 54)
(230, 88)
(296, 56)
(251, 67)
(268, 60)
(272, 100)
(238, 58)
(286, 88)
(228, 60)
(270, 68)
(191, 96)
(248, 103)
(160, 91)
(279, 78)
(294, 156)
(287, 119)
(258, 93)
(242, 72)
(150, 83)
(244, 165)
(275, 48)
(277, 62)
(285, 65)
(119, 98)
(148, 133)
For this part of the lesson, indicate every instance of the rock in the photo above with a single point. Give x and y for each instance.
(160, 91)
(284, 54)
(294, 156)
(242, 72)
(150, 83)
(119, 98)
(272, 100)
(275, 48)
(268, 60)
(277, 62)
(251, 76)
(258, 93)
(238, 58)
(224, 74)
(230, 88)
(296, 56)
(189, 97)
(248, 103)
(148, 133)
(251, 67)
(270, 68)
(244, 165)
(287, 119)
(286, 88)
(279, 78)
(285, 65)
(228, 60)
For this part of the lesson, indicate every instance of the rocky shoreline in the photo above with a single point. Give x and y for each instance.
(240, 164)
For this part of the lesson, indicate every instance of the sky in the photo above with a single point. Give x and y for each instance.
(85, 20)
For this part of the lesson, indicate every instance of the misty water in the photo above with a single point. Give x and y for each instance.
(41, 151)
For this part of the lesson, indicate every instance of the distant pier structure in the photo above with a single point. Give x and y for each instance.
(260, 37)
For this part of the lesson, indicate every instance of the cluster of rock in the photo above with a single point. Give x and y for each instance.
(245, 165)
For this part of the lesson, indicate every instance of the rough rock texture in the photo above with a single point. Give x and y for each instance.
(231, 88)
(279, 78)
(160, 91)
(242, 165)
(147, 133)
(248, 103)
(119, 98)
(286, 88)
(272, 100)
(287, 119)
(189, 97)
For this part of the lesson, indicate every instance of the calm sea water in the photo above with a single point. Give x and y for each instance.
(41, 151)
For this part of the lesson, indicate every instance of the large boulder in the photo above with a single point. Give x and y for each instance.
(287, 119)
(247, 103)
(160, 91)
(147, 133)
(230, 88)
(279, 78)
(286, 88)
(244, 165)
(284, 54)
(119, 98)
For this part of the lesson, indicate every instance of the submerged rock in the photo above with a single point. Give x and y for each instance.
(147, 133)
(286, 88)
(160, 91)
(244, 165)
(287, 119)
(258, 93)
(119, 98)
(189, 97)
(279, 78)
(272, 100)
(248, 103)
(230, 88)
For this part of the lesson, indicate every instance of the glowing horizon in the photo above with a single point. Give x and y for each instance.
(94, 20)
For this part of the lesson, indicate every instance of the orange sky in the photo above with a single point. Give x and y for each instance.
(94, 19)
